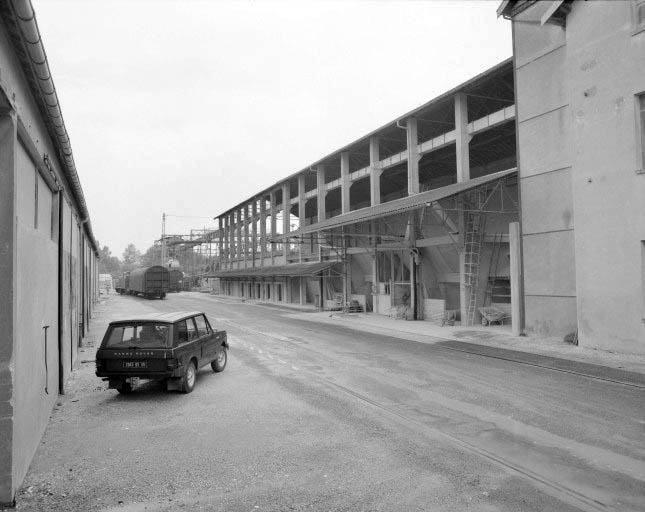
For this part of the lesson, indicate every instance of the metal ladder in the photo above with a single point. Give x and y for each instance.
(475, 230)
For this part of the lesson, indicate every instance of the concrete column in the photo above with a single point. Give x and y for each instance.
(286, 217)
(345, 184)
(224, 234)
(254, 231)
(274, 213)
(301, 211)
(375, 172)
(413, 155)
(301, 200)
(240, 235)
(231, 232)
(220, 239)
(322, 192)
(517, 322)
(462, 137)
(286, 208)
(247, 245)
(8, 255)
(303, 290)
(263, 230)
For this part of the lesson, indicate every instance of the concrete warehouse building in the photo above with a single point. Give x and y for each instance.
(580, 86)
(418, 219)
(48, 255)
(410, 220)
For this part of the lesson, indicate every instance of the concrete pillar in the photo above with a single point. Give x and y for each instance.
(8, 254)
(303, 290)
(463, 174)
(462, 137)
(220, 238)
(274, 213)
(301, 211)
(246, 246)
(232, 241)
(517, 322)
(321, 191)
(375, 172)
(263, 231)
(286, 217)
(254, 232)
(345, 184)
(413, 156)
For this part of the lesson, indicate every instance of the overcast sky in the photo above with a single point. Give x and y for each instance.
(189, 107)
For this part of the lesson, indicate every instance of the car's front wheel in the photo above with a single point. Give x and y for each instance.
(189, 378)
(219, 364)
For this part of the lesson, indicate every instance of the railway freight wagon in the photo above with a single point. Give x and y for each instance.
(149, 282)
(176, 280)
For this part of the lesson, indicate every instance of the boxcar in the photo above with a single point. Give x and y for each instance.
(176, 280)
(149, 282)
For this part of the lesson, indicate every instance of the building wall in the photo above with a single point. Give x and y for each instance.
(35, 357)
(545, 168)
(30, 237)
(606, 72)
(583, 212)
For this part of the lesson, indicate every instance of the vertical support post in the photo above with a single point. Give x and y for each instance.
(413, 156)
(303, 287)
(321, 191)
(463, 174)
(231, 232)
(286, 217)
(462, 138)
(375, 172)
(516, 278)
(301, 212)
(8, 257)
(246, 247)
(344, 182)
(263, 231)
(254, 232)
(274, 223)
(220, 238)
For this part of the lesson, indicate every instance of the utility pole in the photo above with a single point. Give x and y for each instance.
(163, 239)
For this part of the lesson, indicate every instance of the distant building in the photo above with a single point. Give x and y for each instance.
(48, 254)
(580, 96)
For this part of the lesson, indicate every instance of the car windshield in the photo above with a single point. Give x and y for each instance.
(139, 335)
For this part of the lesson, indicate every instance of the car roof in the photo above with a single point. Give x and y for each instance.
(168, 317)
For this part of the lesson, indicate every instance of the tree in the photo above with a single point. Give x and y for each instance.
(152, 256)
(131, 258)
(108, 264)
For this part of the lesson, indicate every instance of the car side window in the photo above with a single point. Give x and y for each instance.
(182, 332)
(191, 329)
(202, 326)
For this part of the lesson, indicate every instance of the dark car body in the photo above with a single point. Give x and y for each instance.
(169, 347)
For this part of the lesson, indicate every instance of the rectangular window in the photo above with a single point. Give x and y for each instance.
(54, 216)
(641, 105)
(643, 281)
(36, 199)
(639, 15)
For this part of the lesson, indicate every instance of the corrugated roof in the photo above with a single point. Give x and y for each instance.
(292, 270)
(400, 205)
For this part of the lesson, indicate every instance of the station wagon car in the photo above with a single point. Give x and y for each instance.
(169, 347)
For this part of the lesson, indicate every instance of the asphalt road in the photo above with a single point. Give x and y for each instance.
(319, 417)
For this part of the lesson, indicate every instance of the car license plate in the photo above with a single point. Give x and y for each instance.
(135, 364)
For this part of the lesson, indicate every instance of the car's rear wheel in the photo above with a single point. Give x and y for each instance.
(125, 388)
(189, 378)
(219, 364)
